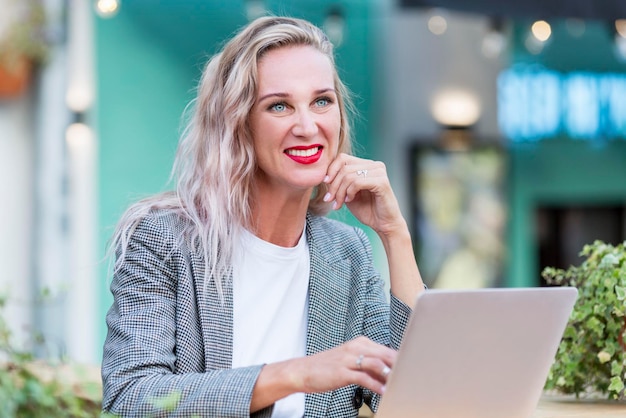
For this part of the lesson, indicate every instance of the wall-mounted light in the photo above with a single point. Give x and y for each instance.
(107, 8)
(79, 97)
(334, 26)
(456, 108)
(77, 134)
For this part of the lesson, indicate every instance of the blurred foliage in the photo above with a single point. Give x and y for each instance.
(31, 387)
(35, 388)
(24, 36)
(591, 358)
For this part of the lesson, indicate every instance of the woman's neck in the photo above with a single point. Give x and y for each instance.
(279, 219)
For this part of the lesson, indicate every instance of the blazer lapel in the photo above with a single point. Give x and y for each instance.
(328, 301)
(216, 317)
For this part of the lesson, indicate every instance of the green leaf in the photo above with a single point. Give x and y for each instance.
(609, 261)
(617, 385)
(604, 357)
(616, 368)
(620, 291)
(168, 402)
(595, 325)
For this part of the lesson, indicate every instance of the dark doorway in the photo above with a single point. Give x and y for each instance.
(563, 231)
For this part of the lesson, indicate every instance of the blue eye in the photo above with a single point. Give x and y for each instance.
(321, 102)
(278, 107)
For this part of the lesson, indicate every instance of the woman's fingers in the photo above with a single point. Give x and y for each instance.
(373, 361)
(360, 361)
(375, 373)
(377, 368)
(370, 349)
(364, 186)
(348, 175)
(374, 367)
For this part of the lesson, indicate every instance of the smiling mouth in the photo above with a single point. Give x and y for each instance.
(303, 152)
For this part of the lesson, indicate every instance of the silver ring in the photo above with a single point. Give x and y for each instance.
(361, 173)
(359, 360)
(386, 371)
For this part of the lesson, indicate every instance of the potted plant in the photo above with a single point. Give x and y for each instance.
(22, 44)
(33, 387)
(591, 358)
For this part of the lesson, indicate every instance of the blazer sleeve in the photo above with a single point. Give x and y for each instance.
(139, 367)
(384, 322)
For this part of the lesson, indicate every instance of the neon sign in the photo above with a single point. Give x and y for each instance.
(534, 105)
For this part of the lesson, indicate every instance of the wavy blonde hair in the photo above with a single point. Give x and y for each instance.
(215, 163)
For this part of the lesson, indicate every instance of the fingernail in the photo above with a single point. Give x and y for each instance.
(326, 197)
(335, 205)
(382, 389)
(326, 179)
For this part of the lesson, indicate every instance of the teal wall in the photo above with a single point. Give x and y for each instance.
(557, 172)
(149, 58)
(560, 171)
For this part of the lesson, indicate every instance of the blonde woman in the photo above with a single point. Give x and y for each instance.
(234, 293)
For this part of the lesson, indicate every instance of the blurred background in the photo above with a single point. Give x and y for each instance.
(502, 125)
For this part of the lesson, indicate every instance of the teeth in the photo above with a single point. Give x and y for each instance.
(303, 152)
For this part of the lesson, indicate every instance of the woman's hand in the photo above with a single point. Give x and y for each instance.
(360, 361)
(363, 186)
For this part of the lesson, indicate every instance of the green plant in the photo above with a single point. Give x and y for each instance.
(23, 37)
(592, 355)
(32, 388)
(40, 388)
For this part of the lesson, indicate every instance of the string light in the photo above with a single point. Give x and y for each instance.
(620, 27)
(538, 37)
(620, 39)
(437, 24)
(541, 30)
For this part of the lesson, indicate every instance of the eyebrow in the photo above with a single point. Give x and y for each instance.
(283, 95)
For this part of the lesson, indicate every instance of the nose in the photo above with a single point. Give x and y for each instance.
(305, 124)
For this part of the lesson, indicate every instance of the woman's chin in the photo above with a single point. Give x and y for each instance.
(309, 180)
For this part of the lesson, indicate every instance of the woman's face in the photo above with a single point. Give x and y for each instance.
(295, 120)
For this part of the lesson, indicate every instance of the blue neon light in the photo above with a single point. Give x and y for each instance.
(537, 104)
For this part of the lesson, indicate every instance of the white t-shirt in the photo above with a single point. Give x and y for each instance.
(270, 308)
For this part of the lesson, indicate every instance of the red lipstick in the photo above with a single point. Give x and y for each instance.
(305, 155)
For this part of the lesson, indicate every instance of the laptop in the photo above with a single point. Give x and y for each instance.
(482, 353)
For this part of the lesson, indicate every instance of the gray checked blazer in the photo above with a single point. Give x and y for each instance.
(168, 333)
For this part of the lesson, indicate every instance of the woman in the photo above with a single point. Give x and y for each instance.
(234, 296)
